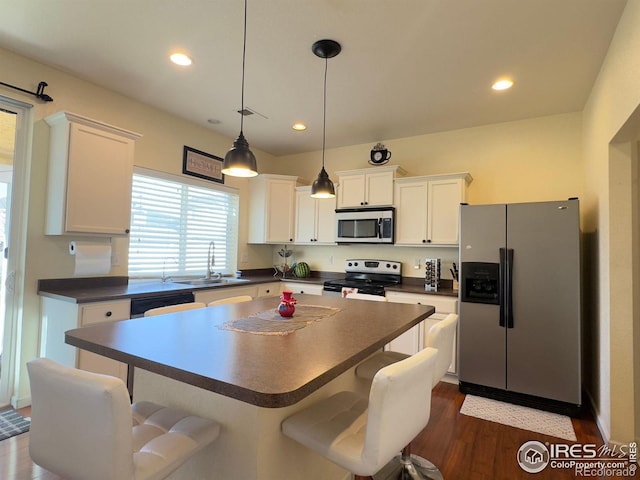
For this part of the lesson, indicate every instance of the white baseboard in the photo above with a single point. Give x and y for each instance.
(450, 378)
(20, 402)
(596, 414)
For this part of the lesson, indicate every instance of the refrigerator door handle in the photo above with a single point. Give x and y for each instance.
(509, 287)
(501, 285)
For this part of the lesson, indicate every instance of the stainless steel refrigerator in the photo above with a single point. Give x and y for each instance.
(519, 336)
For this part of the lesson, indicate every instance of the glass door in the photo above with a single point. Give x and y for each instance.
(14, 134)
(7, 148)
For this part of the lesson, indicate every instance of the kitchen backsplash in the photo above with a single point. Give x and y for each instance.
(331, 258)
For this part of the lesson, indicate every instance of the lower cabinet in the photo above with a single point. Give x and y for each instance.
(414, 340)
(59, 316)
(299, 287)
(270, 289)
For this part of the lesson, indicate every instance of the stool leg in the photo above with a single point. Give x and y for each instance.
(409, 467)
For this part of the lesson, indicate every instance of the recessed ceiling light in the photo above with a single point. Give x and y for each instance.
(503, 84)
(180, 59)
(299, 126)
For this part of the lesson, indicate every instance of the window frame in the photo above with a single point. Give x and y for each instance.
(167, 265)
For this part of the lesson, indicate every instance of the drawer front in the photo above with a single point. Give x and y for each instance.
(99, 312)
(269, 289)
(442, 304)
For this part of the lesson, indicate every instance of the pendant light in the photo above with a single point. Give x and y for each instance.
(323, 186)
(239, 160)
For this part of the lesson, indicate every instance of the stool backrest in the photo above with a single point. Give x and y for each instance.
(399, 405)
(225, 301)
(440, 337)
(80, 423)
(174, 308)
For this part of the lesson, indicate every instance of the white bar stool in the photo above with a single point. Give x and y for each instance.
(228, 300)
(440, 337)
(174, 308)
(81, 428)
(362, 435)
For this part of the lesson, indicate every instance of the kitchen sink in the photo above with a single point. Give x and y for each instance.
(211, 281)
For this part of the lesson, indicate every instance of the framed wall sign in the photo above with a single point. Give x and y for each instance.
(202, 165)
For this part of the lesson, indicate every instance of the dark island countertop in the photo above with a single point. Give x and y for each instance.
(99, 289)
(264, 370)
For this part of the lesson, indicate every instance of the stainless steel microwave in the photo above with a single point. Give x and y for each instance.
(365, 225)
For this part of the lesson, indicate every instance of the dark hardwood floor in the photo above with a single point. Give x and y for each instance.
(463, 447)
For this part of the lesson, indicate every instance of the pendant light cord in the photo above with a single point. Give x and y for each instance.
(244, 53)
(324, 108)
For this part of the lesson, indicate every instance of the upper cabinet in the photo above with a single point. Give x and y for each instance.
(90, 174)
(272, 208)
(315, 219)
(370, 187)
(427, 209)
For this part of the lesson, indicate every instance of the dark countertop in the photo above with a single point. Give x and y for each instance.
(100, 289)
(264, 370)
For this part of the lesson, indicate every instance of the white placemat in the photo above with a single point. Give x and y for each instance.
(517, 416)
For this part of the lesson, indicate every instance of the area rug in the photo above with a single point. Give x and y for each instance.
(12, 423)
(524, 418)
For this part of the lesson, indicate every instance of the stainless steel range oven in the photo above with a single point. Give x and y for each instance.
(366, 276)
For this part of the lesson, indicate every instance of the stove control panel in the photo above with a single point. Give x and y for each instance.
(367, 265)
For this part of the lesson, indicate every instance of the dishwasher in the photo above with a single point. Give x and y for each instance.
(140, 305)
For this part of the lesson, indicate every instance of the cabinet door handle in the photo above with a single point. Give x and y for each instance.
(424, 241)
(108, 314)
(127, 230)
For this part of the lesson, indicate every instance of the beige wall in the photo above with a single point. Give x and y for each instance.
(611, 106)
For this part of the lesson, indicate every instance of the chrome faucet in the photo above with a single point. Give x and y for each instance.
(211, 261)
(165, 277)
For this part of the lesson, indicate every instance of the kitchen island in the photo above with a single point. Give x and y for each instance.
(211, 363)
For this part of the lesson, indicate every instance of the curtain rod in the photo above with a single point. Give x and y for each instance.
(38, 93)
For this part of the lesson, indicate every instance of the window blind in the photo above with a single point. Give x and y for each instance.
(173, 224)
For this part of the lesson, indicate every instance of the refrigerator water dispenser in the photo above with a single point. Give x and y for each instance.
(480, 282)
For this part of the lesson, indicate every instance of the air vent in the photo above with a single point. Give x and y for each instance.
(250, 111)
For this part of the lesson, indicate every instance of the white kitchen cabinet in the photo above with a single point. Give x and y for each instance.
(427, 209)
(209, 295)
(413, 340)
(315, 219)
(60, 316)
(270, 289)
(272, 208)
(89, 179)
(299, 287)
(370, 187)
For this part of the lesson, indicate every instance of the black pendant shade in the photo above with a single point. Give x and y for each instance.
(323, 186)
(239, 160)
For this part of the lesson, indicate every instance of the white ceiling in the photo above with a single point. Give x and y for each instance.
(407, 67)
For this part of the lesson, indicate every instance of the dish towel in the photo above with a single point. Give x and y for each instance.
(347, 290)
